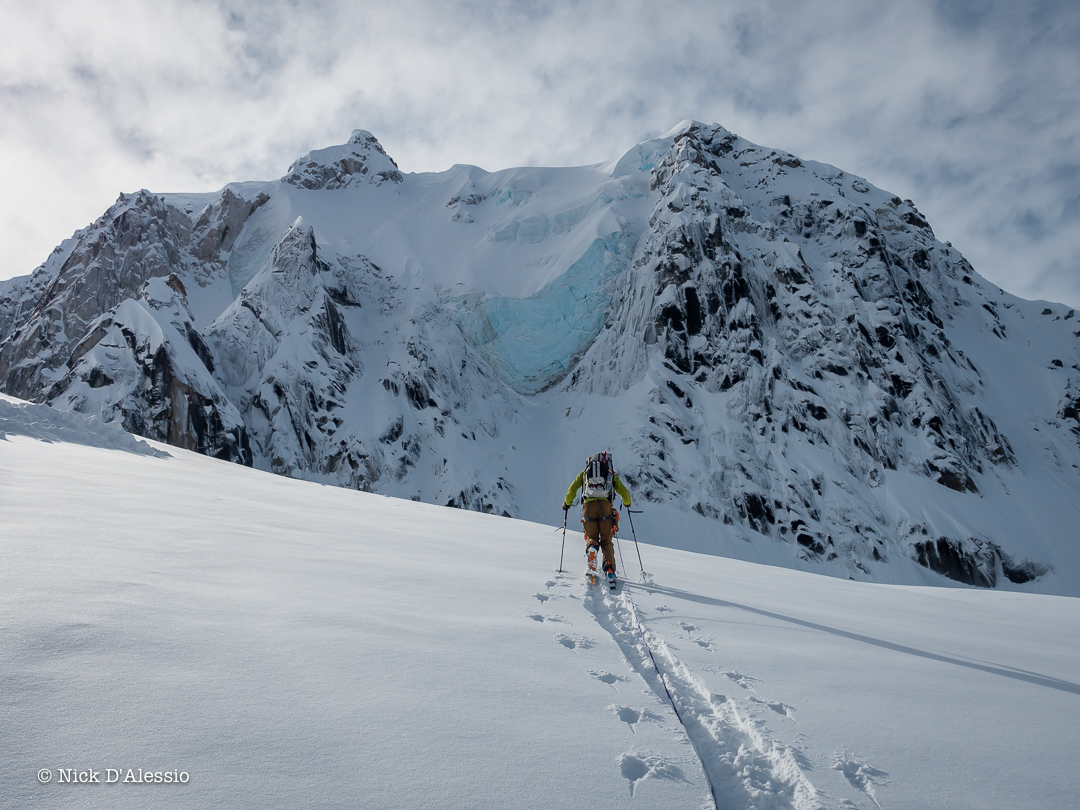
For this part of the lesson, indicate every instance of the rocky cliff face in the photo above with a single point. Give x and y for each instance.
(777, 352)
(813, 313)
(110, 332)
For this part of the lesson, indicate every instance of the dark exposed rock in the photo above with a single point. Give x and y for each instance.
(756, 511)
(1022, 571)
(671, 316)
(693, 311)
(1070, 412)
(971, 563)
(417, 393)
(393, 433)
(810, 543)
(98, 378)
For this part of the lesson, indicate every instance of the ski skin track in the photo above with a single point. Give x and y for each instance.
(745, 771)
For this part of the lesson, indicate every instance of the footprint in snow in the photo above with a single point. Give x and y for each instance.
(540, 617)
(664, 609)
(560, 581)
(635, 767)
(784, 709)
(575, 642)
(541, 597)
(744, 681)
(701, 642)
(779, 708)
(607, 677)
(634, 716)
(861, 776)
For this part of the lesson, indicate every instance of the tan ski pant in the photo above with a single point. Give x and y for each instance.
(598, 520)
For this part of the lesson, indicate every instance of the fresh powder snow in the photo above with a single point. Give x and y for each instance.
(281, 643)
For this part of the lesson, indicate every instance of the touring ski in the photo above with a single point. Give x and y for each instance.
(591, 574)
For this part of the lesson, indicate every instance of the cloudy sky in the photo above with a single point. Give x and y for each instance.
(971, 108)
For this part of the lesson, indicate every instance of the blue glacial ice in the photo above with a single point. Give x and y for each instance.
(532, 343)
(641, 158)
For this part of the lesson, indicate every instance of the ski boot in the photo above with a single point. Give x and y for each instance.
(609, 569)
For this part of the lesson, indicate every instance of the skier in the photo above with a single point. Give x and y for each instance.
(598, 483)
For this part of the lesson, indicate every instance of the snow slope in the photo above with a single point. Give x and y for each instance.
(288, 644)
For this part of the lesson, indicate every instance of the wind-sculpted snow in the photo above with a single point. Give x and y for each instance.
(785, 360)
(19, 418)
(641, 158)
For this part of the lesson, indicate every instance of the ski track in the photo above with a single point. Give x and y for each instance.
(746, 769)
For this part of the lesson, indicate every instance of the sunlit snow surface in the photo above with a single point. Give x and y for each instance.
(287, 644)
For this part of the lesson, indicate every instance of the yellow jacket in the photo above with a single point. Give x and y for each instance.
(579, 482)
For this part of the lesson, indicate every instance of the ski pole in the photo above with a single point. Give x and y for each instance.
(563, 550)
(618, 545)
(629, 514)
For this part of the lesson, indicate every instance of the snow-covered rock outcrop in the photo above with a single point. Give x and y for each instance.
(787, 312)
(362, 159)
(145, 364)
(776, 351)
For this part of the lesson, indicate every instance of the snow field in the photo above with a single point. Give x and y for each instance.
(289, 644)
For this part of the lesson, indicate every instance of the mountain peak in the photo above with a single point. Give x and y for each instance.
(683, 127)
(362, 136)
(691, 127)
(361, 160)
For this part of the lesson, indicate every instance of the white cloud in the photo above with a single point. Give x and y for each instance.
(971, 109)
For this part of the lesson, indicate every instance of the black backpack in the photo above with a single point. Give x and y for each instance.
(599, 476)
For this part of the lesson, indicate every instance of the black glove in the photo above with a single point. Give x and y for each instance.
(566, 506)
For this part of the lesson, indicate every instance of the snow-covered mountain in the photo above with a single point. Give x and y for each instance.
(787, 364)
(274, 643)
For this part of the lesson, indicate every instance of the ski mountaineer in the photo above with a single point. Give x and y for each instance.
(598, 483)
